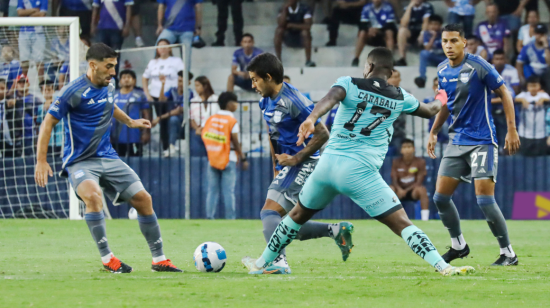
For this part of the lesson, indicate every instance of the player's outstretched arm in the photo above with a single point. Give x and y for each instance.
(320, 137)
(43, 169)
(512, 138)
(335, 95)
(430, 109)
(131, 123)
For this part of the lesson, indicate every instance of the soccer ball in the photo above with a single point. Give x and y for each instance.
(209, 257)
(132, 214)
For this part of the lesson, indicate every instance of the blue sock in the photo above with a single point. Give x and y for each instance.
(286, 231)
(422, 246)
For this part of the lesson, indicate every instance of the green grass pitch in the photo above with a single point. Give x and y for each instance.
(56, 264)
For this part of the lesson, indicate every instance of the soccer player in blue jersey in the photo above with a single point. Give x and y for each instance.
(352, 159)
(86, 106)
(473, 150)
(284, 108)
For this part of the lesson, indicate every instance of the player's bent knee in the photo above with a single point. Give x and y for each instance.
(142, 202)
(274, 206)
(301, 214)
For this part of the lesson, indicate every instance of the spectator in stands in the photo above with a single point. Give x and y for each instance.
(377, 27)
(510, 12)
(178, 22)
(494, 32)
(294, 28)
(462, 12)
(413, 23)
(26, 106)
(6, 143)
(174, 96)
(55, 147)
(433, 53)
(286, 79)
(236, 15)
(10, 69)
(220, 135)
(136, 22)
(241, 58)
(59, 45)
(111, 22)
(443, 135)
(407, 174)
(511, 79)
(527, 32)
(79, 8)
(399, 125)
(346, 11)
(164, 64)
(202, 106)
(532, 126)
(475, 47)
(131, 100)
(32, 41)
(326, 8)
(330, 118)
(534, 57)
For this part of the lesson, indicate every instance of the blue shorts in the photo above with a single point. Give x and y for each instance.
(337, 174)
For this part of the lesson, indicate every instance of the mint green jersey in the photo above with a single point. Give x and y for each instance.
(363, 126)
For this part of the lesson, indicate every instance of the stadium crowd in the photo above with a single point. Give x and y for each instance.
(519, 51)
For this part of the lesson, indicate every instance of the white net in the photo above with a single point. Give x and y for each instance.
(34, 67)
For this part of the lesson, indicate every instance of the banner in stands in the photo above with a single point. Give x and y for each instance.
(531, 206)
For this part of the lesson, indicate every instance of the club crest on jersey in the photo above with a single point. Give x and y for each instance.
(464, 77)
(277, 116)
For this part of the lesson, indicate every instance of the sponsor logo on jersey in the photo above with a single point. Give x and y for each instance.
(375, 204)
(376, 84)
(482, 170)
(91, 102)
(453, 80)
(101, 101)
(444, 80)
(54, 108)
(352, 135)
(394, 199)
(499, 79)
(464, 77)
(78, 174)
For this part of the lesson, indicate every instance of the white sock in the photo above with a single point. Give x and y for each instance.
(425, 215)
(335, 228)
(507, 251)
(458, 242)
(159, 259)
(107, 258)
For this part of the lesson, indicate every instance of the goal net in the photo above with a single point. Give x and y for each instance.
(38, 56)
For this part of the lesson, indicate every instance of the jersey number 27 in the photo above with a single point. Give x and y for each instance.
(366, 131)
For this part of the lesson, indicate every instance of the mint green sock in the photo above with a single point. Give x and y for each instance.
(422, 246)
(285, 233)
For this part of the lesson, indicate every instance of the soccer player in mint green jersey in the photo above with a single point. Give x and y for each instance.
(351, 161)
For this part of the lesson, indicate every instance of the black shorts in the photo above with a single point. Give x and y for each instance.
(413, 39)
(85, 18)
(380, 39)
(136, 6)
(293, 39)
(245, 84)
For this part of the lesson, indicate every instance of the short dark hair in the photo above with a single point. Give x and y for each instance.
(189, 76)
(248, 35)
(2, 80)
(286, 77)
(382, 58)
(454, 28)
(407, 140)
(499, 51)
(100, 52)
(266, 63)
(436, 79)
(225, 98)
(533, 79)
(128, 72)
(436, 18)
(47, 82)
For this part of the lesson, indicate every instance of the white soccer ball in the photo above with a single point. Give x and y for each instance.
(132, 214)
(209, 257)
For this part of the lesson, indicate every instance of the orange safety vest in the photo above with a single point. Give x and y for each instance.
(216, 136)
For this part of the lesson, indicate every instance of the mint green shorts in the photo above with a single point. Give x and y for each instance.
(337, 174)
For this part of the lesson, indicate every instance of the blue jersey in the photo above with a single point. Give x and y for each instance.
(468, 86)
(10, 71)
(330, 118)
(112, 13)
(378, 17)
(493, 36)
(77, 5)
(131, 103)
(172, 95)
(443, 135)
(534, 57)
(241, 59)
(463, 8)
(179, 14)
(284, 115)
(33, 4)
(86, 111)
(363, 126)
(418, 13)
(60, 49)
(436, 47)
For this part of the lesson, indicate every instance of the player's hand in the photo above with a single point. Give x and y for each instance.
(198, 131)
(125, 31)
(155, 122)
(149, 98)
(306, 129)
(162, 79)
(145, 138)
(275, 173)
(432, 141)
(512, 141)
(244, 165)
(41, 173)
(139, 123)
(286, 160)
(372, 32)
(159, 30)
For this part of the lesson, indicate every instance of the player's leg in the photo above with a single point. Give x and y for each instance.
(122, 184)
(420, 193)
